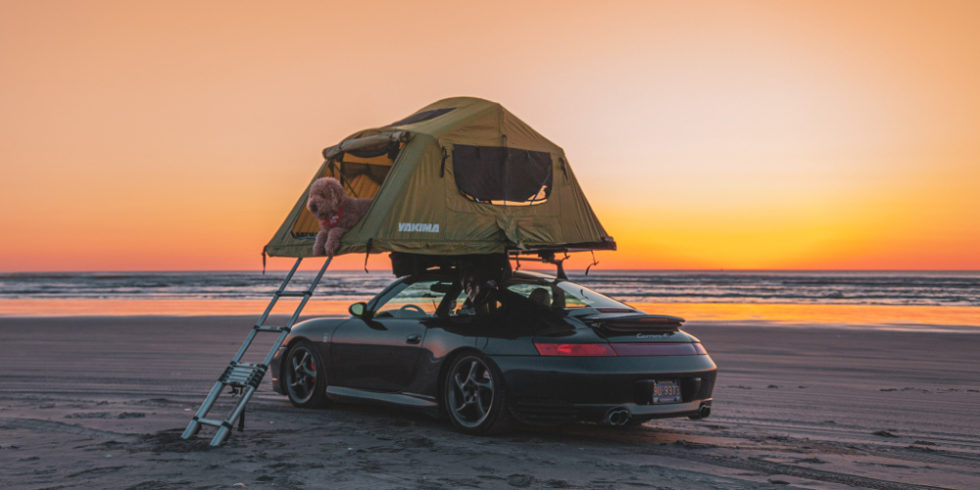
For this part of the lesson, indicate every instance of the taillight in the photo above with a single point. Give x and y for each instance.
(622, 349)
(658, 349)
(591, 350)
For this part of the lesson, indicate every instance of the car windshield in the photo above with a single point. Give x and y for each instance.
(418, 299)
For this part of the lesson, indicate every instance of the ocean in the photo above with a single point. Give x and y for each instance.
(890, 288)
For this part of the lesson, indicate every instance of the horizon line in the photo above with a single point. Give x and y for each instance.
(358, 269)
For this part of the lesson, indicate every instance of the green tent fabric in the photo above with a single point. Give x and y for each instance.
(460, 176)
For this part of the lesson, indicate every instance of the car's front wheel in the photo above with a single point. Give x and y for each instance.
(305, 375)
(474, 395)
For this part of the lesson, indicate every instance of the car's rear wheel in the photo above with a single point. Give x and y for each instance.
(305, 375)
(474, 395)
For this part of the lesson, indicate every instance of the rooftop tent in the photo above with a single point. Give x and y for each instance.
(460, 176)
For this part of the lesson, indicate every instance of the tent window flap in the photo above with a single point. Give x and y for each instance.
(502, 176)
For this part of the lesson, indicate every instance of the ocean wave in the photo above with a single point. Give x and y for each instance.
(790, 287)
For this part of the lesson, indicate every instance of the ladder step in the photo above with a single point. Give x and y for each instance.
(241, 376)
(216, 423)
(249, 365)
(271, 328)
(294, 293)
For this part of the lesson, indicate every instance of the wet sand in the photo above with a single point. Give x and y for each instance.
(100, 402)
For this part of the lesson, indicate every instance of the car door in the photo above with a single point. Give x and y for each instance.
(382, 351)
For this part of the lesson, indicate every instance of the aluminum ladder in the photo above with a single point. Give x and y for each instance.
(243, 377)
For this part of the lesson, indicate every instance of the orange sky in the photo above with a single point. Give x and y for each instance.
(799, 135)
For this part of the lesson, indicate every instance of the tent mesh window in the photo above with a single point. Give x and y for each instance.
(502, 176)
(421, 116)
(350, 171)
(362, 171)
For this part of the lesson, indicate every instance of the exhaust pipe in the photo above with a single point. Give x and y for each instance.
(617, 417)
(703, 411)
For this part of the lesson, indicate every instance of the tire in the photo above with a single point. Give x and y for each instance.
(474, 397)
(304, 379)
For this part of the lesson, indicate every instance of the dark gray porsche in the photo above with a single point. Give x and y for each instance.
(538, 350)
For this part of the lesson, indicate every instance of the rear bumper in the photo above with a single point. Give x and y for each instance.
(555, 412)
(544, 391)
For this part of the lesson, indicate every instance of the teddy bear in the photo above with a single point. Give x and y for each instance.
(336, 211)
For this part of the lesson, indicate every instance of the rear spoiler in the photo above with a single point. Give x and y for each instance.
(637, 324)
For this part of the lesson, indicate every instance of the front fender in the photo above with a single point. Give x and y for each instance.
(316, 330)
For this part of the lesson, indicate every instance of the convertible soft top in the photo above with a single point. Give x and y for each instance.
(460, 176)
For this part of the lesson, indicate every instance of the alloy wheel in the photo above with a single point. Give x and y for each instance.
(471, 392)
(301, 375)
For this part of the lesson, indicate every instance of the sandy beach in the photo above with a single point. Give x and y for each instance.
(100, 402)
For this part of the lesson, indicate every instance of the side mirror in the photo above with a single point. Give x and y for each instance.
(358, 309)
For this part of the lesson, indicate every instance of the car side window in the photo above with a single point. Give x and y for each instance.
(534, 293)
(462, 307)
(420, 299)
(544, 295)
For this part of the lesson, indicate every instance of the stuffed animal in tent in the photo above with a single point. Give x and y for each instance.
(336, 211)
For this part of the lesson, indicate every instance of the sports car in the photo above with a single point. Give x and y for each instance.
(539, 350)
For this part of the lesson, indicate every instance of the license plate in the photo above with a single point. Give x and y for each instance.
(666, 392)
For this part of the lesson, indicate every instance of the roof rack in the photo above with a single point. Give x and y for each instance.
(544, 256)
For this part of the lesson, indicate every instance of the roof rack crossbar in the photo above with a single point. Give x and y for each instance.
(547, 257)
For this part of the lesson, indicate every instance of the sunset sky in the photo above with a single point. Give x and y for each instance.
(734, 135)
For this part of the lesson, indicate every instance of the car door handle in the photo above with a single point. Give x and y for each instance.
(414, 339)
